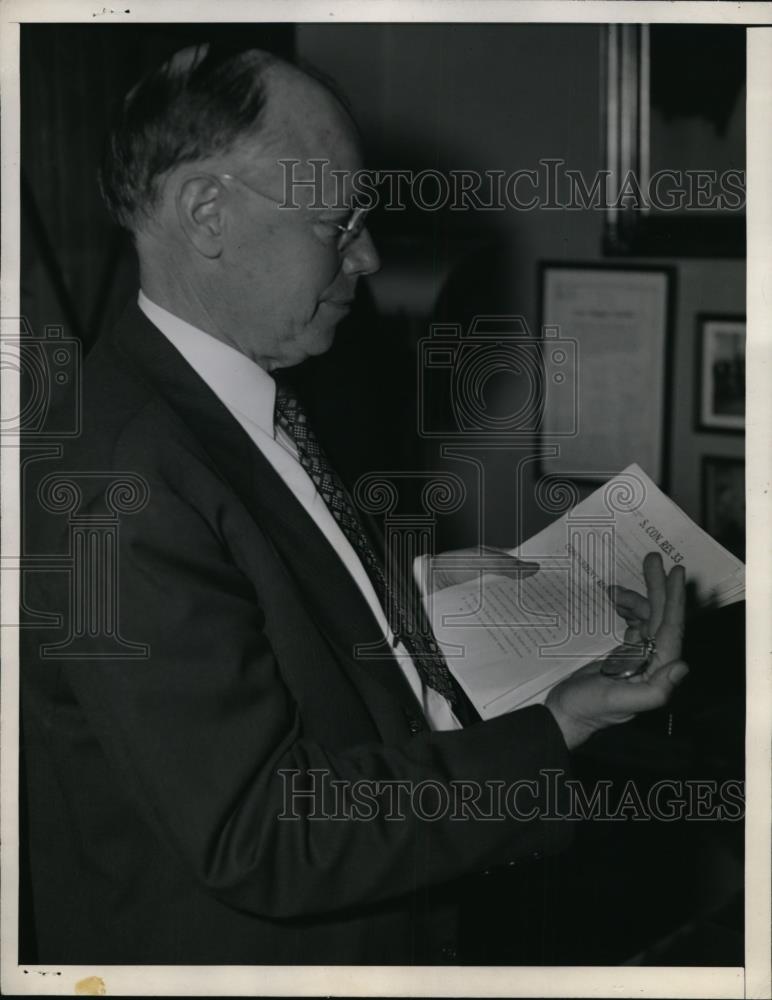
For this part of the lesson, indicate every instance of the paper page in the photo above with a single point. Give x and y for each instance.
(506, 640)
(632, 514)
(509, 641)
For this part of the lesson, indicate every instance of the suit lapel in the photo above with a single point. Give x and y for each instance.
(330, 593)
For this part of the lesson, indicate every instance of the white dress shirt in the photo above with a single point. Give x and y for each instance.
(249, 393)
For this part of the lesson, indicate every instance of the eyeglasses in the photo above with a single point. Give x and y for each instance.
(350, 230)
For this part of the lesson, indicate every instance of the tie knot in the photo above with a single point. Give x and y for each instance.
(290, 416)
(288, 411)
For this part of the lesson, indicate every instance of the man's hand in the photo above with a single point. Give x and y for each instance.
(462, 565)
(588, 701)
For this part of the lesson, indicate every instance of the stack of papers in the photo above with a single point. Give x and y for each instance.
(508, 642)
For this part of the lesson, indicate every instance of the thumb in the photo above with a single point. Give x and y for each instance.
(676, 672)
(666, 679)
(655, 691)
(495, 558)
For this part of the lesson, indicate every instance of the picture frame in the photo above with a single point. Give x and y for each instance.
(723, 501)
(720, 373)
(615, 317)
(673, 109)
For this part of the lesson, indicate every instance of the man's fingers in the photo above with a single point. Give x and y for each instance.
(666, 678)
(676, 672)
(675, 598)
(487, 560)
(448, 569)
(633, 634)
(629, 604)
(622, 662)
(493, 559)
(670, 634)
(655, 693)
(654, 574)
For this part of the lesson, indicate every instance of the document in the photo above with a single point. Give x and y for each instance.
(509, 641)
(610, 321)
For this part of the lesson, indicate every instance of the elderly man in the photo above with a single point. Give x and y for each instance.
(173, 779)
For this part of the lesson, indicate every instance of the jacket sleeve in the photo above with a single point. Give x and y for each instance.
(205, 737)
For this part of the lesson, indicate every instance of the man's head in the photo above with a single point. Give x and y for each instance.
(193, 168)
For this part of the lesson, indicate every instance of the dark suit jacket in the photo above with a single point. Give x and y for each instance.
(152, 788)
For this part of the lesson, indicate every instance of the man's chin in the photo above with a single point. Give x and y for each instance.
(323, 338)
(314, 342)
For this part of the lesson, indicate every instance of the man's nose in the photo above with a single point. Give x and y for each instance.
(361, 257)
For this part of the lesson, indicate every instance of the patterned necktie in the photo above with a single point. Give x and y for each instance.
(414, 634)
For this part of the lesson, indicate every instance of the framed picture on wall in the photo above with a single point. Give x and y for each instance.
(606, 344)
(723, 501)
(674, 117)
(721, 373)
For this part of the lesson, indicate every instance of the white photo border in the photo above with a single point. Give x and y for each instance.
(753, 980)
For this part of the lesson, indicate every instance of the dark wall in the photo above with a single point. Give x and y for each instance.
(78, 269)
(502, 96)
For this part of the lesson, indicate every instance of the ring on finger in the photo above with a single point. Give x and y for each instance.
(631, 661)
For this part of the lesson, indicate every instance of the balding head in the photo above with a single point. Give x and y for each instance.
(196, 167)
(200, 106)
(301, 124)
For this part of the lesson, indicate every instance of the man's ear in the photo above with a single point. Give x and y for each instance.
(200, 213)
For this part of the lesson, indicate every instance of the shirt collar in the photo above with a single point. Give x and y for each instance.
(235, 379)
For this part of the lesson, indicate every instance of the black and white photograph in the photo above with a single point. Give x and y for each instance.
(724, 502)
(374, 605)
(722, 373)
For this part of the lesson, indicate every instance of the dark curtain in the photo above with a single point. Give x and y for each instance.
(78, 269)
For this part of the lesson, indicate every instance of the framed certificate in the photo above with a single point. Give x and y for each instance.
(614, 322)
